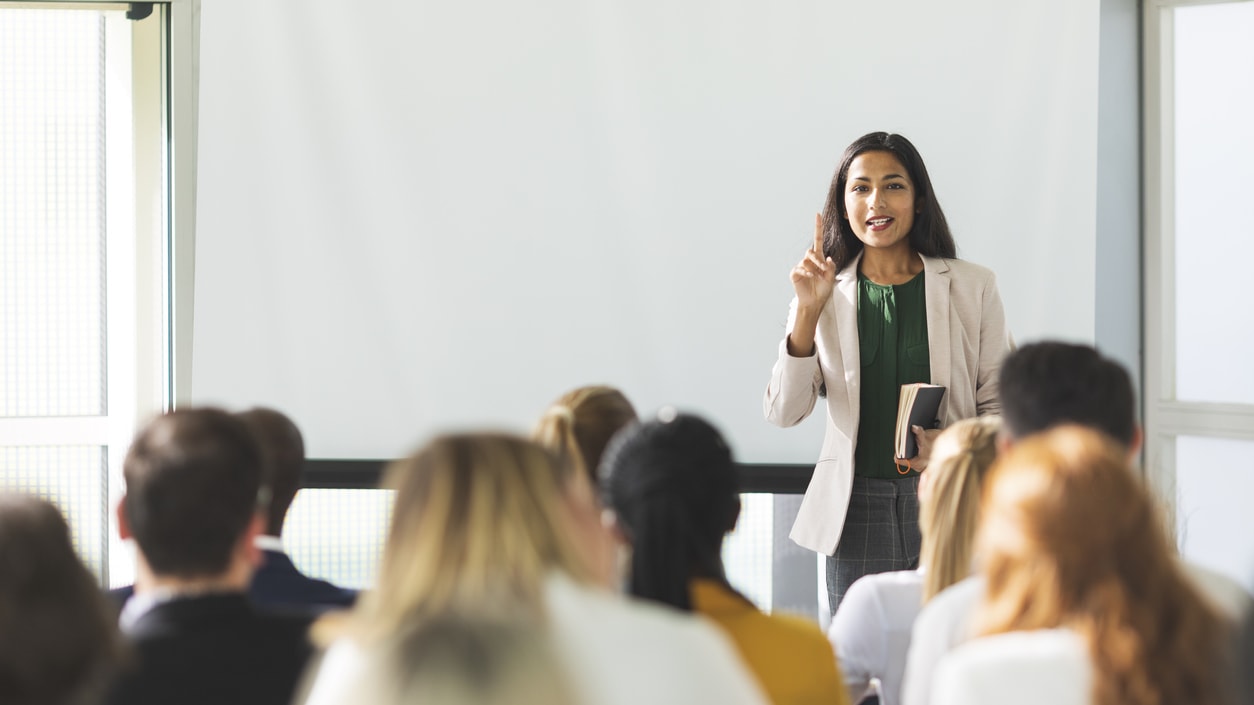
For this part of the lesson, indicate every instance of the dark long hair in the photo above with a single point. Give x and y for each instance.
(61, 642)
(930, 234)
(675, 490)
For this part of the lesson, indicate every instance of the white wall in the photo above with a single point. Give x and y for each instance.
(443, 215)
(1117, 325)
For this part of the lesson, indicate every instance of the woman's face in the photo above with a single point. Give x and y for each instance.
(879, 200)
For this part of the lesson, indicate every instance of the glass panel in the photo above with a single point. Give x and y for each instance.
(73, 478)
(52, 299)
(1213, 486)
(338, 535)
(1214, 155)
(747, 550)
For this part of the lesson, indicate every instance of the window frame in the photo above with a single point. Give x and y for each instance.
(150, 242)
(1166, 417)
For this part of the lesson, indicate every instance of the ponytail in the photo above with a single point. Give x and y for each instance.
(579, 425)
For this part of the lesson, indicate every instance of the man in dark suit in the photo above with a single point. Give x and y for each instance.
(192, 481)
(277, 582)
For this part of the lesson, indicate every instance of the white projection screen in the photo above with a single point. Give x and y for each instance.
(425, 216)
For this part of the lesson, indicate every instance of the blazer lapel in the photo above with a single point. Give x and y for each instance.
(936, 287)
(846, 315)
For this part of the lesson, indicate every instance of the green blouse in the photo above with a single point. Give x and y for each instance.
(892, 334)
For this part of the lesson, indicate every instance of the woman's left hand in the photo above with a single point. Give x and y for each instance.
(925, 438)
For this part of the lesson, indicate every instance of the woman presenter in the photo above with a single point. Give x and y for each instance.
(881, 301)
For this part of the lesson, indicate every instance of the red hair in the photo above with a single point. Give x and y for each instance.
(1071, 537)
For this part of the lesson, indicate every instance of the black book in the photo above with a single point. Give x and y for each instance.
(919, 405)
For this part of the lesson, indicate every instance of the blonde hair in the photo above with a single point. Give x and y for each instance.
(948, 518)
(579, 425)
(477, 525)
(1071, 538)
(461, 660)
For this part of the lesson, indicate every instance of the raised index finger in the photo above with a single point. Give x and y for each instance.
(818, 235)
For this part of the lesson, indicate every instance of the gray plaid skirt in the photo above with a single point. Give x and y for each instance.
(881, 533)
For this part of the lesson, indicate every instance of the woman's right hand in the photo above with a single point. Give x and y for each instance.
(813, 280)
(815, 276)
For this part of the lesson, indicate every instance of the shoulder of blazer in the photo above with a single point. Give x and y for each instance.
(957, 269)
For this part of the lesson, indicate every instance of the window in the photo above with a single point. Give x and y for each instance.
(1200, 167)
(83, 257)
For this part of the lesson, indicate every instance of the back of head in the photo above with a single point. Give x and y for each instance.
(192, 481)
(478, 522)
(579, 425)
(60, 640)
(1071, 537)
(464, 660)
(1048, 384)
(949, 513)
(284, 450)
(674, 489)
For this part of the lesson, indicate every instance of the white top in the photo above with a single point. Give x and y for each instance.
(1045, 667)
(615, 651)
(947, 619)
(267, 542)
(871, 632)
(941, 625)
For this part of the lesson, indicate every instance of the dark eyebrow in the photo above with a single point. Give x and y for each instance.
(886, 177)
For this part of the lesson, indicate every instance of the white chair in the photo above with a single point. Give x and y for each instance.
(1046, 667)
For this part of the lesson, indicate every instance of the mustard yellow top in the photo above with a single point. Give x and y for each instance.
(790, 656)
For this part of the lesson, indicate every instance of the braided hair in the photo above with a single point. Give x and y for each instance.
(673, 485)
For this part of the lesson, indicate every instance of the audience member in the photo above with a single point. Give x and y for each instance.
(1084, 588)
(490, 526)
(460, 660)
(1050, 384)
(871, 629)
(579, 425)
(59, 640)
(577, 428)
(1044, 385)
(192, 482)
(674, 493)
(278, 583)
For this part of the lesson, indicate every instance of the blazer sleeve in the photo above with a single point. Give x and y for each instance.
(795, 381)
(995, 344)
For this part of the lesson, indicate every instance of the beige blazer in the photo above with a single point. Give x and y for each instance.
(967, 339)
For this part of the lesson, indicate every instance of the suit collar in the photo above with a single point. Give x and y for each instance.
(846, 315)
(268, 543)
(935, 265)
(936, 283)
(275, 561)
(183, 611)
